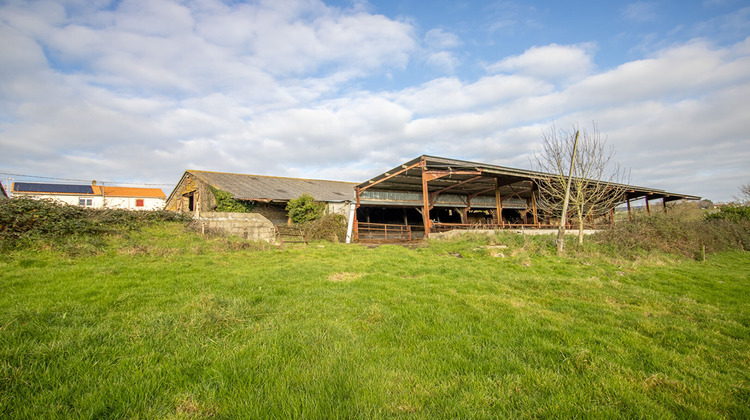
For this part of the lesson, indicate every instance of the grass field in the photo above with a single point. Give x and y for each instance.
(163, 323)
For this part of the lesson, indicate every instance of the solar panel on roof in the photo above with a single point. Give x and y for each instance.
(52, 188)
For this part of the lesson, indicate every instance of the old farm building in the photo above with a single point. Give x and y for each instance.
(270, 194)
(431, 193)
(424, 195)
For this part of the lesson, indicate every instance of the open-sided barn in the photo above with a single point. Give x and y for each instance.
(429, 193)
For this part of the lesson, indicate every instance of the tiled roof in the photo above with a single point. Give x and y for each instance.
(33, 187)
(129, 192)
(265, 188)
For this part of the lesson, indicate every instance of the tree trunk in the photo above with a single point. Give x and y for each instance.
(580, 227)
(561, 231)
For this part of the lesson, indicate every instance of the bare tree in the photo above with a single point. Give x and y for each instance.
(744, 197)
(596, 181)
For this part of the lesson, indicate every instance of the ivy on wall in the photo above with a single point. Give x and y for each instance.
(226, 203)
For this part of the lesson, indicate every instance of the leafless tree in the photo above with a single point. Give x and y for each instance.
(744, 197)
(598, 183)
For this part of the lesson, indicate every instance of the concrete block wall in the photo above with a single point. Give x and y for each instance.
(251, 226)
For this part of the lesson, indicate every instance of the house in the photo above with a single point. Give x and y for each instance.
(95, 196)
(269, 194)
(432, 193)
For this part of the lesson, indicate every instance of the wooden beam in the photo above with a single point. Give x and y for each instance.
(533, 205)
(498, 203)
(425, 201)
(374, 183)
(456, 185)
(630, 216)
(648, 208)
(433, 174)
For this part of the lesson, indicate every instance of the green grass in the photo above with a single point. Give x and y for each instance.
(165, 324)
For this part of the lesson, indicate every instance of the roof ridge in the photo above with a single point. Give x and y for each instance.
(271, 176)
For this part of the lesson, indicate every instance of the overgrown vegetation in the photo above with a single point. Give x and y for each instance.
(24, 220)
(330, 227)
(304, 209)
(731, 213)
(684, 229)
(225, 202)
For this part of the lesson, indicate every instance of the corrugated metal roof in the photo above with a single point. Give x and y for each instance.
(274, 188)
(35, 187)
(128, 192)
(402, 178)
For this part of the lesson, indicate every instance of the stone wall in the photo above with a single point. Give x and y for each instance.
(251, 226)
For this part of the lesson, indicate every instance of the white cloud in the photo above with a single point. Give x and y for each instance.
(640, 11)
(550, 62)
(439, 39)
(281, 88)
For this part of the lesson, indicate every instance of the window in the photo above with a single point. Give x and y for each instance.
(85, 202)
(139, 202)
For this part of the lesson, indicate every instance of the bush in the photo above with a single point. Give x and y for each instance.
(26, 219)
(304, 209)
(731, 213)
(331, 227)
(683, 231)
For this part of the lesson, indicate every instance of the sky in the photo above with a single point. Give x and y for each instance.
(138, 91)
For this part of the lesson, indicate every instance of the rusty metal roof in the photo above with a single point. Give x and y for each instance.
(275, 188)
(479, 178)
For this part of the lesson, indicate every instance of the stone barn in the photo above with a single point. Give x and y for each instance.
(196, 194)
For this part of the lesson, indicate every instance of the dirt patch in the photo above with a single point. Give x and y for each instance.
(344, 277)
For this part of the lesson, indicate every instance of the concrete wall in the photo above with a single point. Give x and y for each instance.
(251, 226)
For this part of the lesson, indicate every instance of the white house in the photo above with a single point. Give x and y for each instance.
(96, 196)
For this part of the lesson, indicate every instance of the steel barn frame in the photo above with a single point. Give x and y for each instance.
(430, 185)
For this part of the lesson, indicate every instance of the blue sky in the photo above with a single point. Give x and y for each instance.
(141, 90)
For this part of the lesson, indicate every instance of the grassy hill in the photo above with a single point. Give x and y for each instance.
(163, 323)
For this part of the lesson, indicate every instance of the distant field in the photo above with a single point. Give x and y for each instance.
(166, 324)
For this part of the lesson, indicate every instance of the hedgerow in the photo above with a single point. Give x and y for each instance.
(25, 219)
(683, 230)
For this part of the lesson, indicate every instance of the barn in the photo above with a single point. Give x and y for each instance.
(196, 193)
(431, 194)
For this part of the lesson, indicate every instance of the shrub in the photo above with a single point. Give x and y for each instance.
(304, 209)
(330, 227)
(683, 231)
(731, 213)
(26, 219)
